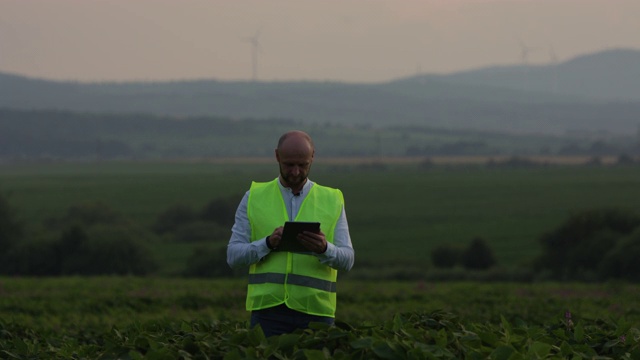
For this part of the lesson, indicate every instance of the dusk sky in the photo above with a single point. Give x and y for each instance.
(333, 40)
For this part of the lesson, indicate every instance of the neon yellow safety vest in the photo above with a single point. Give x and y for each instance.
(298, 280)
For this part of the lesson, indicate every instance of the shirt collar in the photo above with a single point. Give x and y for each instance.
(305, 188)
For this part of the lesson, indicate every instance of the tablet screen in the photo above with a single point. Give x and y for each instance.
(291, 230)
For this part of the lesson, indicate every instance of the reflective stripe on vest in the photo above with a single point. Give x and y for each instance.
(293, 279)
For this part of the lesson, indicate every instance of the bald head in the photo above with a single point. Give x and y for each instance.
(295, 155)
(296, 138)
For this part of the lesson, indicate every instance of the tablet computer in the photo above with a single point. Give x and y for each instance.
(289, 241)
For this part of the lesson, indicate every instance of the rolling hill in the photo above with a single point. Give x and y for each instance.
(595, 93)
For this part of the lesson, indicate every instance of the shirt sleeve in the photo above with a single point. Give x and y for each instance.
(339, 255)
(241, 251)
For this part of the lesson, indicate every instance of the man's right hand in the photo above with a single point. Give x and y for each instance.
(273, 241)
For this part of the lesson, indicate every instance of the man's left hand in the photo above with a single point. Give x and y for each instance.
(315, 242)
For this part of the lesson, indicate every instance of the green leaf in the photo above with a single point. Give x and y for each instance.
(578, 332)
(611, 343)
(441, 338)
(186, 327)
(565, 349)
(506, 328)
(135, 355)
(184, 354)
(142, 343)
(314, 355)
(502, 352)
(20, 346)
(288, 341)
(584, 350)
(233, 355)
(344, 325)
(160, 354)
(256, 336)
(539, 349)
(488, 338)
(118, 334)
(560, 333)
(384, 350)
(398, 322)
(362, 343)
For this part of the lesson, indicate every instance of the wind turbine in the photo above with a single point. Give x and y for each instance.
(524, 56)
(553, 58)
(255, 48)
(524, 52)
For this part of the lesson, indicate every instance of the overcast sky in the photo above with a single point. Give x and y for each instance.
(332, 40)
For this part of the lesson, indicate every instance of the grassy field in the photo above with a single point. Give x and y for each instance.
(396, 212)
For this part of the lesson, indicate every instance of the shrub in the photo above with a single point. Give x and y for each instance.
(213, 222)
(200, 231)
(580, 243)
(221, 211)
(86, 214)
(594, 161)
(173, 218)
(99, 250)
(89, 239)
(621, 261)
(10, 228)
(116, 250)
(209, 262)
(478, 256)
(11, 234)
(34, 257)
(72, 251)
(625, 159)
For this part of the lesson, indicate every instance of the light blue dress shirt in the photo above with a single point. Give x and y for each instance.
(241, 251)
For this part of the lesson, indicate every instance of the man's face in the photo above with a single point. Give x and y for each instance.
(294, 168)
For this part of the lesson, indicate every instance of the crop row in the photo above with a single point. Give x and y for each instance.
(435, 335)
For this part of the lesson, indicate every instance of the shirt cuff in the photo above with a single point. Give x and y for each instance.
(266, 242)
(261, 248)
(330, 253)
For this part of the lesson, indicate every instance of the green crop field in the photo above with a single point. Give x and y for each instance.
(396, 212)
(156, 318)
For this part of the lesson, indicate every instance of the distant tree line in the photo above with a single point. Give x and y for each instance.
(595, 148)
(93, 239)
(61, 135)
(89, 239)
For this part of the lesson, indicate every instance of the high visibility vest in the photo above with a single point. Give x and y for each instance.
(298, 280)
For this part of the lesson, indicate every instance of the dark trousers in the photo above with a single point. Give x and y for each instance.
(280, 320)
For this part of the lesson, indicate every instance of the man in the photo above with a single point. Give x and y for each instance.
(289, 290)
